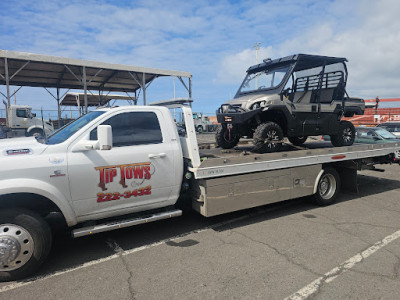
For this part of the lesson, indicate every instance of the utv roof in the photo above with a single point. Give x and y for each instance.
(304, 61)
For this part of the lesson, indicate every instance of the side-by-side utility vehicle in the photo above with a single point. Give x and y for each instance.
(295, 97)
(118, 167)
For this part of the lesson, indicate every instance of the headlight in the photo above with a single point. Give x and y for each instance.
(257, 105)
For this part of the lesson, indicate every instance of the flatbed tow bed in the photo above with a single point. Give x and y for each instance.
(235, 179)
(219, 162)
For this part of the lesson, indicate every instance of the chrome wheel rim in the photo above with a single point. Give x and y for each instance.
(16, 247)
(347, 134)
(272, 139)
(327, 186)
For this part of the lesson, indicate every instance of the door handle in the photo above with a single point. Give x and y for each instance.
(159, 155)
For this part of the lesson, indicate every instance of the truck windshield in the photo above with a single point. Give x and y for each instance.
(64, 133)
(265, 79)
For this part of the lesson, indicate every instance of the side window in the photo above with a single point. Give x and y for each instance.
(133, 128)
(21, 113)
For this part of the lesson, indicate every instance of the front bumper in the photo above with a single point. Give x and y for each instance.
(228, 114)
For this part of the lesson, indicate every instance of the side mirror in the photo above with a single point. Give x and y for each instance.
(33, 115)
(104, 137)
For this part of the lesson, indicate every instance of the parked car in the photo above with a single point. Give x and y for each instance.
(393, 127)
(374, 135)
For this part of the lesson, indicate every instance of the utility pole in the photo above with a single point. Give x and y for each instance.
(257, 47)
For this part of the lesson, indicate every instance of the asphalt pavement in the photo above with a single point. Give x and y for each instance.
(293, 250)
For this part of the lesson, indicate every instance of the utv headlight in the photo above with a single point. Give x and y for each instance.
(257, 105)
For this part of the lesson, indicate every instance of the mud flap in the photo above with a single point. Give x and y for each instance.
(348, 178)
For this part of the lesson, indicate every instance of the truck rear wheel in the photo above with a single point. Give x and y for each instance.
(268, 137)
(225, 138)
(200, 129)
(327, 188)
(298, 140)
(346, 135)
(25, 242)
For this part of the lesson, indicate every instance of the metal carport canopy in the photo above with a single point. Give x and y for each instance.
(77, 99)
(35, 70)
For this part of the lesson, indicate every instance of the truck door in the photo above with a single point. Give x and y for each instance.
(137, 173)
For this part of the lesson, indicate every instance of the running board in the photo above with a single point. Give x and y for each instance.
(125, 223)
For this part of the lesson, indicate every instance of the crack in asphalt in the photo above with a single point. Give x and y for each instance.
(284, 255)
(119, 251)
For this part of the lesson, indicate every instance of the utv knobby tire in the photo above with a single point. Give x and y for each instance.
(36, 231)
(346, 135)
(268, 138)
(298, 140)
(226, 139)
(328, 187)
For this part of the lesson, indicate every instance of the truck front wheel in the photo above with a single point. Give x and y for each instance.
(327, 188)
(268, 137)
(36, 133)
(25, 242)
(226, 138)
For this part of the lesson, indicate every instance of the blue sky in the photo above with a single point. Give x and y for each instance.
(211, 39)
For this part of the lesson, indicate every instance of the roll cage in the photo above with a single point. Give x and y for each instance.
(296, 63)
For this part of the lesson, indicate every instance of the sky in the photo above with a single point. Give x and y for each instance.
(213, 40)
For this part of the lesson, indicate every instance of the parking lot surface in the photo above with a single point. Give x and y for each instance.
(293, 249)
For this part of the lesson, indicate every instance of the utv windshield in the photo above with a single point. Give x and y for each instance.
(261, 80)
(67, 131)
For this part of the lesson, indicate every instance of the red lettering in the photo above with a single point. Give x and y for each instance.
(113, 173)
(128, 173)
(147, 174)
(138, 172)
(122, 171)
(102, 184)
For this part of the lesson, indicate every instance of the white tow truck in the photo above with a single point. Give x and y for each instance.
(118, 167)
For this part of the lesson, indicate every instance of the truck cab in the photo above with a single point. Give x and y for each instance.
(21, 121)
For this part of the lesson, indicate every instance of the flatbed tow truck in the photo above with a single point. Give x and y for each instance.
(118, 167)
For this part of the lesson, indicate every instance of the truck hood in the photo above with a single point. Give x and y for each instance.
(21, 146)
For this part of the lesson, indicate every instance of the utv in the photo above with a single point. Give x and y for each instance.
(295, 97)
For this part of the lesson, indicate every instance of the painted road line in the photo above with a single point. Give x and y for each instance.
(314, 286)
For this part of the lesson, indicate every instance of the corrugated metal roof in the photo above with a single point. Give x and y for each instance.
(28, 69)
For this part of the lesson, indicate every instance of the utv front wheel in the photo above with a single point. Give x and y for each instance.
(346, 135)
(268, 137)
(297, 140)
(226, 138)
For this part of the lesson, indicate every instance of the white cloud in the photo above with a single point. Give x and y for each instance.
(213, 39)
(369, 37)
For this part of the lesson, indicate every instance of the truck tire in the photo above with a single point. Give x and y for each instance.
(200, 129)
(328, 187)
(36, 132)
(346, 135)
(25, 242)
(298, 140)
(268, 137)
(226, 139)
